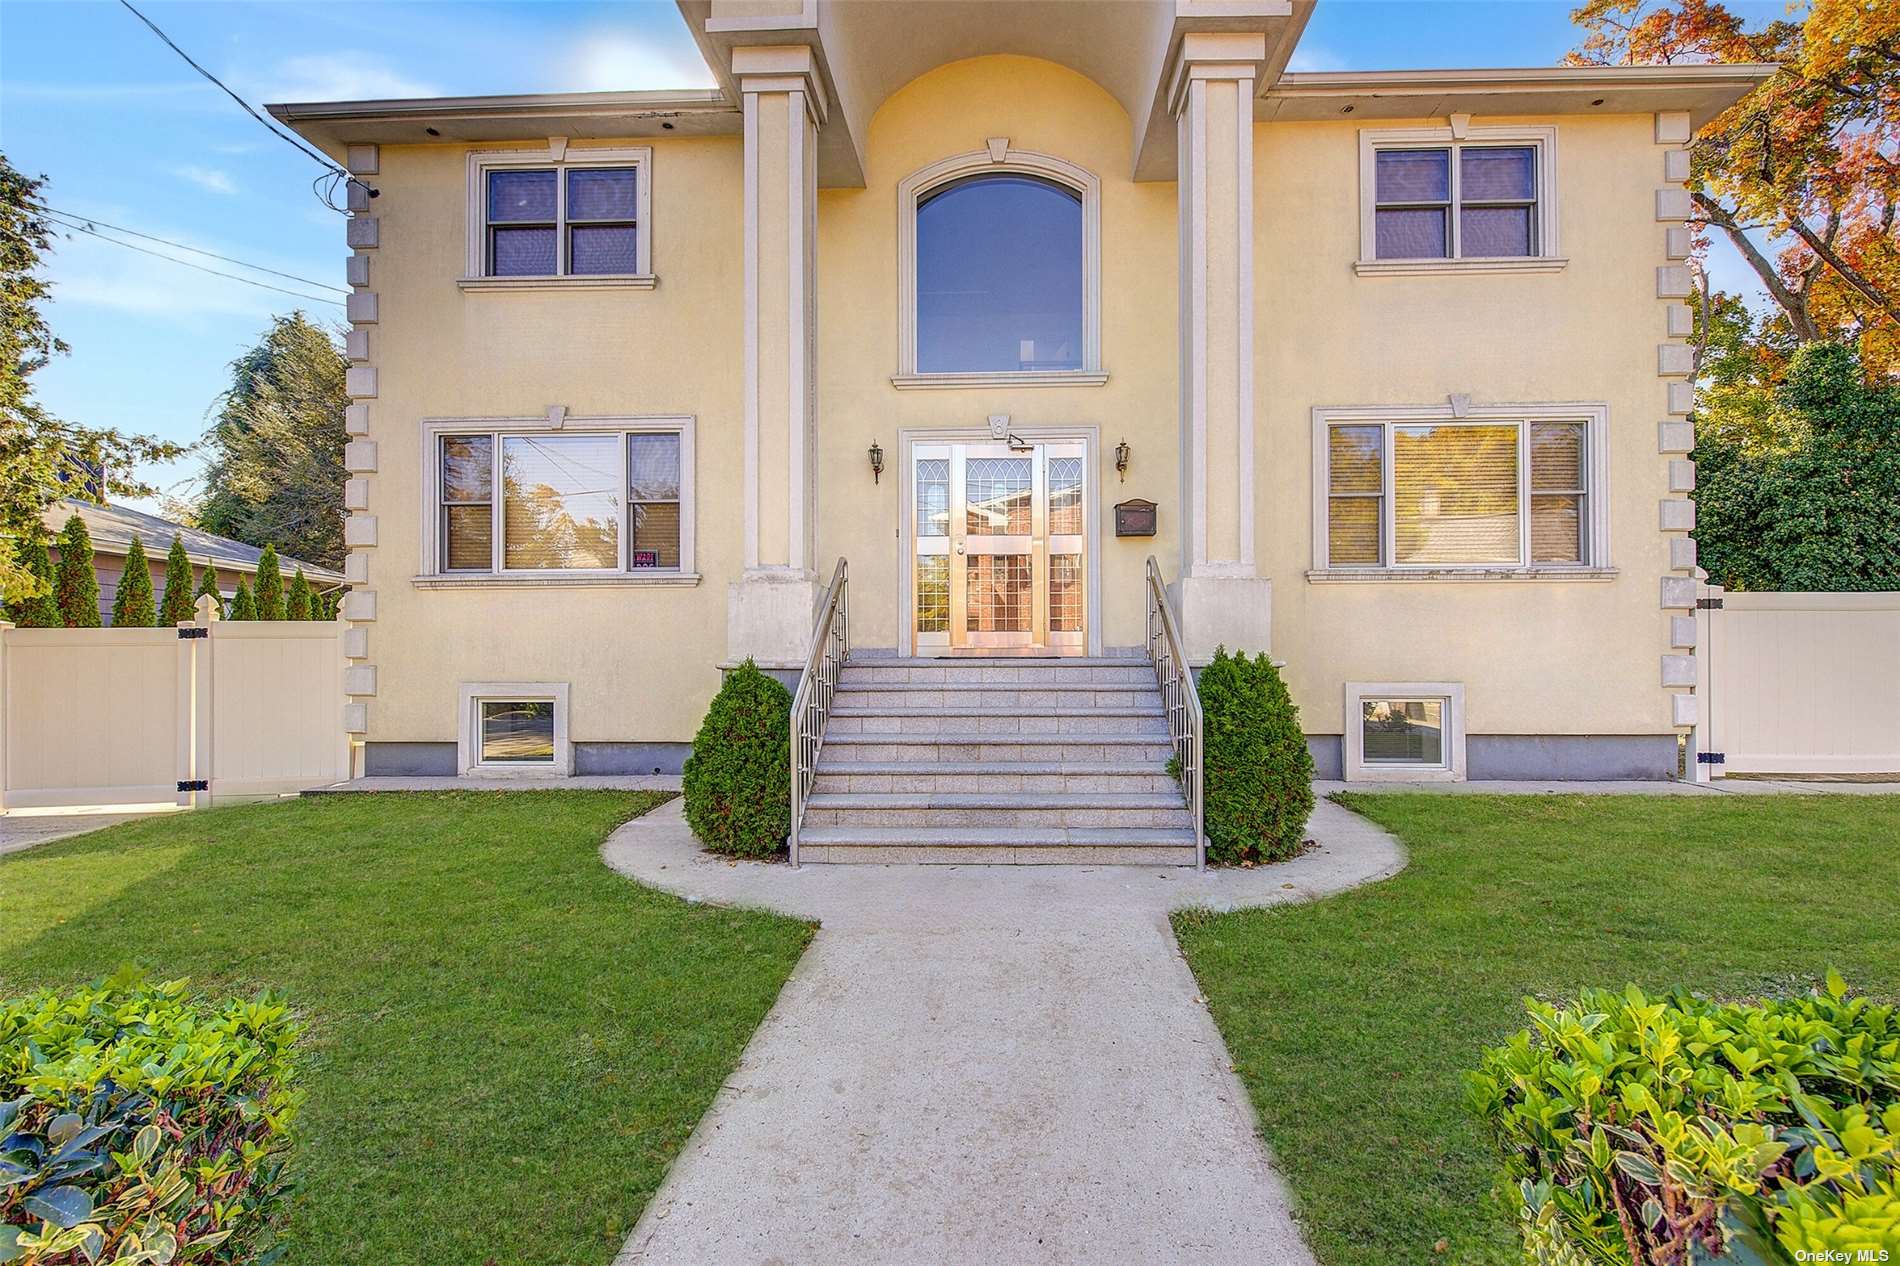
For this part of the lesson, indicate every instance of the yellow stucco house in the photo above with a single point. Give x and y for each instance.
(953, 290)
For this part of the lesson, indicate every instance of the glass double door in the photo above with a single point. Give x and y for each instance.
(999, 549)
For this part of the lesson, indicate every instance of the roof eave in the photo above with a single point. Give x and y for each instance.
(333, 125)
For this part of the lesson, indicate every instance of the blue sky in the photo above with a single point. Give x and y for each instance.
(130, 135)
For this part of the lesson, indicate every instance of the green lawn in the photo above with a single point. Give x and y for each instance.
(1351, 1020)
(507, 1042)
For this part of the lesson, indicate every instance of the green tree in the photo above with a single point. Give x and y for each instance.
(41, 457)
(132, 605)
(75, 584)
(276, 471)
(738, 784)
(269, 594)
(176, 606)
(35, 610)
(208, 588)
(297, 598)
(243, 607)
(1258, 780)
(1816, 511)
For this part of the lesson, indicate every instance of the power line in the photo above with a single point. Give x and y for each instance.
(117, 228)
(268, 126)
(262, 285)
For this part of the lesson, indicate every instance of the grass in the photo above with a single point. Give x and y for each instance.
(507, 1042)
(1352, 1020)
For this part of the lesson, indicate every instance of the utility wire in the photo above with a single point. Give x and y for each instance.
(165, 241)
(288, 139)
(130, 246)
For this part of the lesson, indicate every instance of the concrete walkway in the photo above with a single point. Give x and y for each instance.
(21, 829)
(977, 1064)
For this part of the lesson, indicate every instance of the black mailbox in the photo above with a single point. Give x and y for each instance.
(1135, 518)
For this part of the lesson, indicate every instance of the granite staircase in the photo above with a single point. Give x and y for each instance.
(1032, 761)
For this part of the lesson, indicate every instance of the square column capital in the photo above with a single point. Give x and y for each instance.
(772, 68)
(1227, 55)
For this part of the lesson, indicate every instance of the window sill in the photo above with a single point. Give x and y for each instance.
(1031, 378)
(1348, 575)
(644, 282)
(489, 580)
(1422, 267)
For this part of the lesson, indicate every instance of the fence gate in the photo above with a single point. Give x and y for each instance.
(1798, 683)
(188, 715)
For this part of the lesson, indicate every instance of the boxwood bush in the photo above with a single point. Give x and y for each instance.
(138, 1124)
(1683, 1130)
(738, 781)
(1258, 780)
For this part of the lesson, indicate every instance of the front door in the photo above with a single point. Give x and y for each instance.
(999, 557)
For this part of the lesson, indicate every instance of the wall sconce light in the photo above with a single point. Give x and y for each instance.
(1121, 460)
(877, 462)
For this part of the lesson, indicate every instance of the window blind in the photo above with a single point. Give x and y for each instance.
(1454, 492)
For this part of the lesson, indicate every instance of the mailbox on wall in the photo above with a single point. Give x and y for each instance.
(1135, 518)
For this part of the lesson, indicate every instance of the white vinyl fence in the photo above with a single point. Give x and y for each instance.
(186, 715)
(1799, 683)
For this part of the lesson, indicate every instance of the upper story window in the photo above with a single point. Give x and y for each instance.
(1483, 200)
(596, 499)
(999, 272)
(577, 218)
(1498, 489)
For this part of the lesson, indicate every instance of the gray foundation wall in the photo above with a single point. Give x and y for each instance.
(1537, 757)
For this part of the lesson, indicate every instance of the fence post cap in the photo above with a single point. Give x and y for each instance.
(209, 610)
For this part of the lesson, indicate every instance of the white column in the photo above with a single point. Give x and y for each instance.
(1220, 594)
(769, 610)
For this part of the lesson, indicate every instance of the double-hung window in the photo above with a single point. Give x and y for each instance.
(1431, 493)
(580, 217)
(592, 501)
(1483, 200)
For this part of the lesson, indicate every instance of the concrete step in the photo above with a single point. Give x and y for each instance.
(1124, 672)
(997, 809)
(919, 721)
(970, 845)
(964, 776)
(843, 749)
(1038, 695)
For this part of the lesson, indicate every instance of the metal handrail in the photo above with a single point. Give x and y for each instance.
(1178, 696)
(811, 706)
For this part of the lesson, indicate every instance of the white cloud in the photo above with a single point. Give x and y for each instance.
(102, 92)
(617, 62)
(1313, 57)
(85, 271)
(210, 179)
(338, 77)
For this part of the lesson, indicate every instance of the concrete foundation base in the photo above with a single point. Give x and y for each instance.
(1231, 611)
(769, 615)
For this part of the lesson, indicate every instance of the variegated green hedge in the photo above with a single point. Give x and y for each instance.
(1639, 1132)
(138, 1124)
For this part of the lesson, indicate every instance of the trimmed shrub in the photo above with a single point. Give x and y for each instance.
(132, 605)
(208, 588)
(1258, 779)
(268, 593)
(243, 606)
(143, 1125)
(297, 598)
(1653, 1133)
(41, 611)
(738, 780)
(177, 603)
(75, 586)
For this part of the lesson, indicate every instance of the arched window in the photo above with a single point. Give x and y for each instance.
(1000, 272)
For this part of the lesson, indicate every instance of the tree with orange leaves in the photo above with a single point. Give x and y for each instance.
(1811, 159)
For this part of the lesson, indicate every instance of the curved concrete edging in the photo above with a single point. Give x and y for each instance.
(982, 1063)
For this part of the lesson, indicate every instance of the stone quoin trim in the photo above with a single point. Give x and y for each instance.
(1676, 360)
(363, 234)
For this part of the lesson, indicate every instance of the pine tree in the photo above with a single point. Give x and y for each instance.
(75, 586)
(208, 588)
(297, 598)
(327, 604)
(269, 594)
(176, 607)
(243, 607)
(40, 611)
(132, 606)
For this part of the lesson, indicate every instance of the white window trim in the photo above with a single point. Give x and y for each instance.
(982, 162)
(482, 161)
(1549, 256)
(468, 731)
(1595, 418)
(431, 575)
(1451, 693)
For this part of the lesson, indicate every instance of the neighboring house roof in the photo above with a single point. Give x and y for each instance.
(112, 528)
